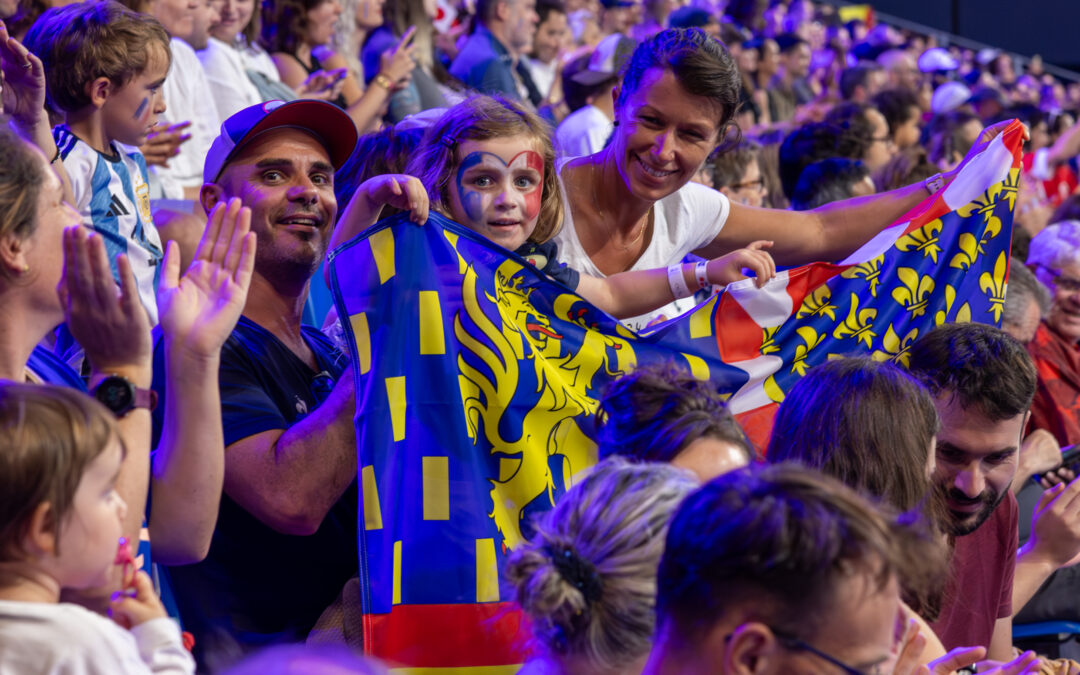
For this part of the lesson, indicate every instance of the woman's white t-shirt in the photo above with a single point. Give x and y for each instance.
(684, 221)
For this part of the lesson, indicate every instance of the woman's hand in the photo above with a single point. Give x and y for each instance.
(323, 85)
(199, 310)
(729, 268)
(398, 63)
(109, 323)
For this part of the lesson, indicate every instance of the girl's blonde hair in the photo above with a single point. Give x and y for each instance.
(49, 436)
(483, 118)
(587, 579)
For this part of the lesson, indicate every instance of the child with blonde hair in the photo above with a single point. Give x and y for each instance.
(60, 528)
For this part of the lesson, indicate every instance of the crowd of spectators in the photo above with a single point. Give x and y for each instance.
(175, 396)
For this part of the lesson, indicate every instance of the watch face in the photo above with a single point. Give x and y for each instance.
(117, 394)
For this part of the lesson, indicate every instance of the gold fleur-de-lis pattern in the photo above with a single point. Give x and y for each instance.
(869, 270)
(924, 239)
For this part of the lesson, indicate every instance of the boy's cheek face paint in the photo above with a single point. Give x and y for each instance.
(142, 108)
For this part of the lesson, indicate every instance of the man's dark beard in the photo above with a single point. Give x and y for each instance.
(958, 524)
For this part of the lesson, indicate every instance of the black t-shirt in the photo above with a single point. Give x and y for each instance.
(545, 257)
(258, 586)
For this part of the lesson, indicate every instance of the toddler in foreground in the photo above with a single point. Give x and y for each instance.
(60, 527)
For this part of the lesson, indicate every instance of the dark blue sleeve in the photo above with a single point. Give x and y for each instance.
(246, 406)
(382, 40)
(499, 79)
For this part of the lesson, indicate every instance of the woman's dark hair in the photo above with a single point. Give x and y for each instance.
(283, 21)
(653, 413)
(857, 130)
(868, 423)
(897, 105)
(701, 64)
(827, 181)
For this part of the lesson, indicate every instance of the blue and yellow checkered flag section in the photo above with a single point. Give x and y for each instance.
(478, 379)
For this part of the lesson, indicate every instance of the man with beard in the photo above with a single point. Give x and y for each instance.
(285, 539)
(982, 381)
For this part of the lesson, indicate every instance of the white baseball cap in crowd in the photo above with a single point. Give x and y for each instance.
(937, 59)
(949, 96)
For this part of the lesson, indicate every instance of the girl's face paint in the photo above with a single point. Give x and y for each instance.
(498, 189)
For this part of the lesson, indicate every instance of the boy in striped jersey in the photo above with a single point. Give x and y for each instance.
(104, 68)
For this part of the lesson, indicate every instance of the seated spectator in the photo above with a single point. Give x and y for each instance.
(297, 35)
(404, 18)
(831, 180)
(240, 73)
(616, 17)
(733, 598)
(982, 382)
(808, 144)
(901, 69)
(289, 495)
(489, 61)
(902, 113)
(951, 136)
(552, 37)
(788, 88)
(587, 577)
(1026, 303)
(63, 520)
(586, 130)
(737, 174)
(694, 17)
(1054, 256)
(126, 57)
(859, 83)
(184, 91)
(872, 426)
(906, 167)
(665, 414)
(867, 133)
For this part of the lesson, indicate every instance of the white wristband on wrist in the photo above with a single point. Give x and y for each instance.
(701, 273)
(677, 282)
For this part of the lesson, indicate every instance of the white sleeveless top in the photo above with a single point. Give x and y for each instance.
(684, 221)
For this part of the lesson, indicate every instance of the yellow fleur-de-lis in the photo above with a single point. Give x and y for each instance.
(913, 294)
(869, 270)
(773, 390)
(817, 304)
(994, 286)
(768, 344)
(985, 203)
(895, 348)
(811, 339)
(924, 239)
(858, 324)
(969, 252)
(963, 315)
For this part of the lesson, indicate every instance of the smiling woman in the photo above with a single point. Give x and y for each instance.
(632, 205)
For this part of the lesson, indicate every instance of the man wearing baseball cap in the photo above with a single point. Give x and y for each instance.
(285, 540)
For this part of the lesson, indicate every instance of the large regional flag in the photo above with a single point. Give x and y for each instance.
(478, 379)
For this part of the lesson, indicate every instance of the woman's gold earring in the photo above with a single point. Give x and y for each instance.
(25, 268)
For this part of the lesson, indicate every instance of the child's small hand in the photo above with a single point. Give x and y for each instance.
(136, 605)
(729, 268)
(400, 191)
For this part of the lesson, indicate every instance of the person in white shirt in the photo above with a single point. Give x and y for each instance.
(552, 37)
(585, 131)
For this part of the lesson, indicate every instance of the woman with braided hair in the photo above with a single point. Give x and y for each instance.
(587, 580)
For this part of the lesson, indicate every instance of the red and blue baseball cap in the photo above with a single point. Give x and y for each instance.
(325, 121)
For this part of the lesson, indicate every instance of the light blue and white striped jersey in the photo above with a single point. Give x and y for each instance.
(113, 197)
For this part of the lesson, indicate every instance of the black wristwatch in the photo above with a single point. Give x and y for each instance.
(120, 396)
